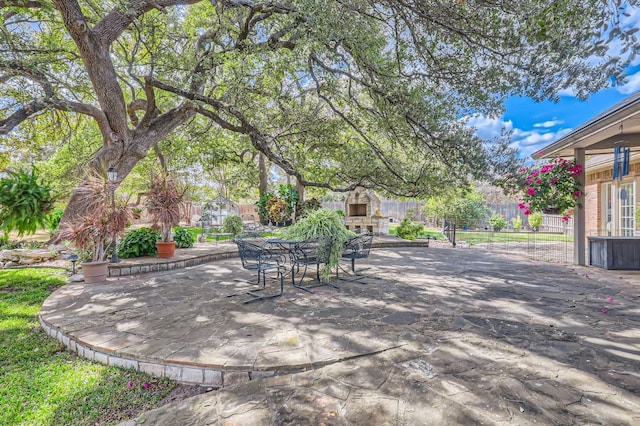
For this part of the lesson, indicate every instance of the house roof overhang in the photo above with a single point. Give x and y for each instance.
(618, 125)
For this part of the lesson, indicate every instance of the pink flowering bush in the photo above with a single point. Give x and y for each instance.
(551, 186)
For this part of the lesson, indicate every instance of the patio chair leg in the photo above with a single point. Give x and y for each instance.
(300, 286)
(320, 283)
(266, 296)
(264, 285)
(353, 275)
(334, 285)
(251, 282)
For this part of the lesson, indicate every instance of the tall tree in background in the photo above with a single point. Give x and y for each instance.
(337, 94)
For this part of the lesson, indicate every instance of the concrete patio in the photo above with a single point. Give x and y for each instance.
(435, 336)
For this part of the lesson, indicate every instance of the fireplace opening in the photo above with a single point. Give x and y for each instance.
(358, 210)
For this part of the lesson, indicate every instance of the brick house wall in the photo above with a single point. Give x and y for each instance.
(596, 177)
(592, 208)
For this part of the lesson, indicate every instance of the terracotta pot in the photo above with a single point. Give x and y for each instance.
(166, 249)
(95, 272)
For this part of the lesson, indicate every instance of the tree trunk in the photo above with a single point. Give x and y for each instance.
(263, 185)
(300, 188)
(123, 157)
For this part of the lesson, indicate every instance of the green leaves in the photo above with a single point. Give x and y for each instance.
(139, 242)
(184, 238)
(232, 224)
(335, 93)
(409, 230)
(25, 202)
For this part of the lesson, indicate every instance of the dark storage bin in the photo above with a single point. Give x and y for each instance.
(615, 252)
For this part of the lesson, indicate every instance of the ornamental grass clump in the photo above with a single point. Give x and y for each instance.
(551, 186)
(322, 223)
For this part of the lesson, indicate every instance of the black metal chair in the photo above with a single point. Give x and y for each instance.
(253, 238)
(260, 258)
(356, 247)
(314, 251)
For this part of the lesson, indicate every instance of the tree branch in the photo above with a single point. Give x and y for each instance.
(31, 4)
(151, 109)
(17, 68)
(21, 115)
(116, 21)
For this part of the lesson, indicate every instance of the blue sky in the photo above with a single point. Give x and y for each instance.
(535, 125)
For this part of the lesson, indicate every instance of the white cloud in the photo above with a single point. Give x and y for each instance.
(530, 141)
(488, 128)
(547, 124)
(569, 92)
(526, 141)
(631, 86)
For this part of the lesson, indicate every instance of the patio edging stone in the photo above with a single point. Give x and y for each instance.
(184, 373)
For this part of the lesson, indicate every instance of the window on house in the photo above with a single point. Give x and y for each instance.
(627, 209)
(607, 212)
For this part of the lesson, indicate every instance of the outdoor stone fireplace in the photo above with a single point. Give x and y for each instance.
(362, 212)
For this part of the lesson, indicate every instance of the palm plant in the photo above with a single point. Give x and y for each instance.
(165, 200)
(106, 217)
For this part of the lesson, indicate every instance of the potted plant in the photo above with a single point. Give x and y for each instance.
(261, 206)
(164, 202)
(498, 222)
(289, 194)
(278, 211)
(105, 217)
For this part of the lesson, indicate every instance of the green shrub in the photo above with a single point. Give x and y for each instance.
(53, 220)
(517, 222)
(25, 202)
(232, 224)
(535, 220)
(195, 231)
(261, 206)
(304, 207)
(139, 242)
(497, 221)
(182, 237)
(409, 230)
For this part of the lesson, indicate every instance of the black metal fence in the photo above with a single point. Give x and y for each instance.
(556, 247)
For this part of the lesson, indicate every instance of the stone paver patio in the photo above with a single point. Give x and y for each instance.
(440, 336)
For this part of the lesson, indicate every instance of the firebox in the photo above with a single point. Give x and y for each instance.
(362, 210)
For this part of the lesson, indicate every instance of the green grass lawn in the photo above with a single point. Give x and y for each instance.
(43, 384)
(478, 237)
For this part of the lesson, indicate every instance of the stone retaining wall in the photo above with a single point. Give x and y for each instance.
(22, 257)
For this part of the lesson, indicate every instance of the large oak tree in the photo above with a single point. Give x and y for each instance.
(337, 93)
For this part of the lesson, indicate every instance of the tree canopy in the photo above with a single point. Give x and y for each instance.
(337, 93)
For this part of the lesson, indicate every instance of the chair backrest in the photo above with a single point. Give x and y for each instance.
(359, 245)
(313, 250)
(250, 254)
(252, 237)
